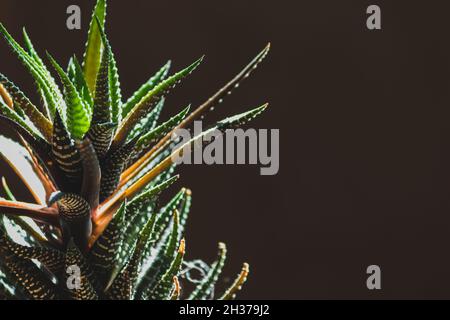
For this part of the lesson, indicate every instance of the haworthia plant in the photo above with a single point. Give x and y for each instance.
(96, 165)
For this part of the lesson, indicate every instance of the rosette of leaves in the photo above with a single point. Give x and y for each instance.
(96, 165)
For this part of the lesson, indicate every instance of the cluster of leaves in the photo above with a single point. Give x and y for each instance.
(96, 165)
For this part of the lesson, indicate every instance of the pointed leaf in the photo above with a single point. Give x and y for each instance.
(65, 153)
(153, 136)
(145, 89)
(104, 253)
(45, 82)
(149, 122)
(44, 125)
(101, 136)
(148, 102)
(51, 258)
(76, 113)
(112, 168)
(163, 289)
(86, 289)
(93, 52)
(15, 117)
(30, 279)
(76, 75)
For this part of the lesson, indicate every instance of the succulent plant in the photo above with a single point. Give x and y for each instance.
(96, 165)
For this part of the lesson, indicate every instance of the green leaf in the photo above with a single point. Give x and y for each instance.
(145, 89)
(149, 122)
(102, 97)
(129, 274)
(137, 221)
(152, 137)
(114, 85)
(141, 202)
(76, 75)
(34, 55)
(184, 208)
(14, 116)
(148, 102)
(45, 82)
(206, 287)
(113, 77)
(93, 52)
(166, 213)
(163, 289)
(21, 102)
(76, 113)
(32, 52)
(241, 119)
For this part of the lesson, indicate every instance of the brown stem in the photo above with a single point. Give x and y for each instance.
(36, 212)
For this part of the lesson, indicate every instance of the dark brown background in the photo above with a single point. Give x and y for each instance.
(364, 121)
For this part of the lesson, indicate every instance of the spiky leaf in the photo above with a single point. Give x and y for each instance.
(145, 89)
(104, 253)
(75, 73)
(21, 101)
(76, 111)
(75, 262)
(93, 52)
(206, 286)
(230, 293)
(148, 102)
(162, 291)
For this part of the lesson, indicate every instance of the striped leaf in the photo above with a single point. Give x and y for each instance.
(112, 169)
(100, 135)
(104, 253)
(65, 152)
(21, 101)
(51, 258)
(129, 274)
(113, 77)
(29, 279)
(85, 289)
(11, 114)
